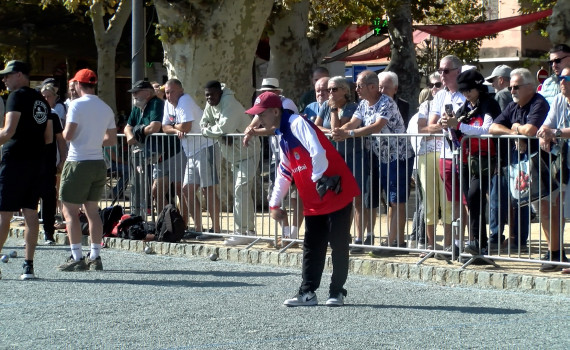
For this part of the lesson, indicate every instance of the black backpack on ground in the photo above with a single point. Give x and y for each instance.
(169, 225)
(110, 216)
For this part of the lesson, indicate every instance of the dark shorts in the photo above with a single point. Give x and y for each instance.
(19, 184)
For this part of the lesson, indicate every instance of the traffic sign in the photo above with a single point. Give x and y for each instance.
(541, 75)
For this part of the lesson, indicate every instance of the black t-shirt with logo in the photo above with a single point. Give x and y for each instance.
(28, 141)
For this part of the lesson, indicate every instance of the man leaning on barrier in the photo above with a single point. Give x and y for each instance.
(145, 119)
(224, 115)
(554, 135)
(181, 117)
(524, 116)
(326, 187)
(392, 158)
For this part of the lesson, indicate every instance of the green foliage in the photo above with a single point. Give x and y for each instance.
(454, 12)
(531, 6)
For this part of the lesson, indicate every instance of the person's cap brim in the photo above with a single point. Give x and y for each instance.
(255, 110)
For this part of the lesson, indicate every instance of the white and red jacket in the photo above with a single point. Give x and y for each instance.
(307, 156)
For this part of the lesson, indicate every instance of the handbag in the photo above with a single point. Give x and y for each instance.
(530, 179)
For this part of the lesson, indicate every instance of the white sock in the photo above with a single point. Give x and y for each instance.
(76, 251)
(294, 232)
(95, 251)
(286, 231)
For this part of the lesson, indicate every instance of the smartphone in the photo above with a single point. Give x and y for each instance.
(449, 109)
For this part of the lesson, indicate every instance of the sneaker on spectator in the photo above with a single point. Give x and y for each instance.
(546, 267)
(378, 253)
(448, 250)
(472, 247)
(72, 265)
(94, 265)
(28, 273)
(302, 299)
(357, 250)
(335, 300)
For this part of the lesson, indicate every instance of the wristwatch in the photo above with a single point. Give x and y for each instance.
(558, 133)
(351, 133)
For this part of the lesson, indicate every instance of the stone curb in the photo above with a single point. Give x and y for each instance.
(450, 277)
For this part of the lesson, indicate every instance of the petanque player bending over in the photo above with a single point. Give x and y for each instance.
(327, 189)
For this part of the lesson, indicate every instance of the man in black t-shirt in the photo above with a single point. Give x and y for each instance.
(24, 135)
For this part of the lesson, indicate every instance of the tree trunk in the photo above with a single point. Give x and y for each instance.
(403, 55)
(559, 26)
(294, 54)
(205, 42)
(107, 38)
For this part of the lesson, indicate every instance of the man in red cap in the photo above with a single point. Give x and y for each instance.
(90, 125)
(23, 138)
(327, 188)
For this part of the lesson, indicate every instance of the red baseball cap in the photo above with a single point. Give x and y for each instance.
(264, 101)
(86, 76)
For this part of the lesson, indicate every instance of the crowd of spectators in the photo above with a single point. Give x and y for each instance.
(368, 129)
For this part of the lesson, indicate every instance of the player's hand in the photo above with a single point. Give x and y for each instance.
(277, 214)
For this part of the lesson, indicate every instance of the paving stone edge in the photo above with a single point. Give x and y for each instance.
(450, 277)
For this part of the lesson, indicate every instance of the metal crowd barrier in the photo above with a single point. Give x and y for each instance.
(132, 184)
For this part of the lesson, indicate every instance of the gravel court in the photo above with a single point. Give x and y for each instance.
(161, 302)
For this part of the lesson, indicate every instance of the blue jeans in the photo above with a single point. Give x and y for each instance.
(499, 212)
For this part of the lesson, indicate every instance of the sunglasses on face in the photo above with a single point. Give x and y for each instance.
(333, 89)
(516, 87)
(437, 85)
(557, 60)
(565, 78)
(361, 86)
(446, 70)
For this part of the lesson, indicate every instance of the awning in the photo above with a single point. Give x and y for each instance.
(363, 45)
(470, 31)
(380, 50)
(351, 33)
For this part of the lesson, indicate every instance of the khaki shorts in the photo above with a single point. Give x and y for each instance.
(82, 181)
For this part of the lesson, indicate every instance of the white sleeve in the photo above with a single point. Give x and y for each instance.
(477, 130)
(165, 119)
(282, 183)
(438, 103)
(309, 139)
(553, 113)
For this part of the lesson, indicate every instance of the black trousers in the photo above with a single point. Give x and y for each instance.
(49, 201)
(475, 191)
(320, 230)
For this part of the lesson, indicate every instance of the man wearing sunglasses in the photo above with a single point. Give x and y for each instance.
(500, 79)
(524, 116)
(559, 59)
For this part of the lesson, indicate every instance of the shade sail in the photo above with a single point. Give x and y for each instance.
(470, 31)
(351, 33)
(381, 50)
(365, 44)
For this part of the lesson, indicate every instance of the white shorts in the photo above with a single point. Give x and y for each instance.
(201, 168)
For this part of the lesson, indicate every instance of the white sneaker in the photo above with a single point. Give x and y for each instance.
(335, 300)
(242, 239)
(302, 299)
